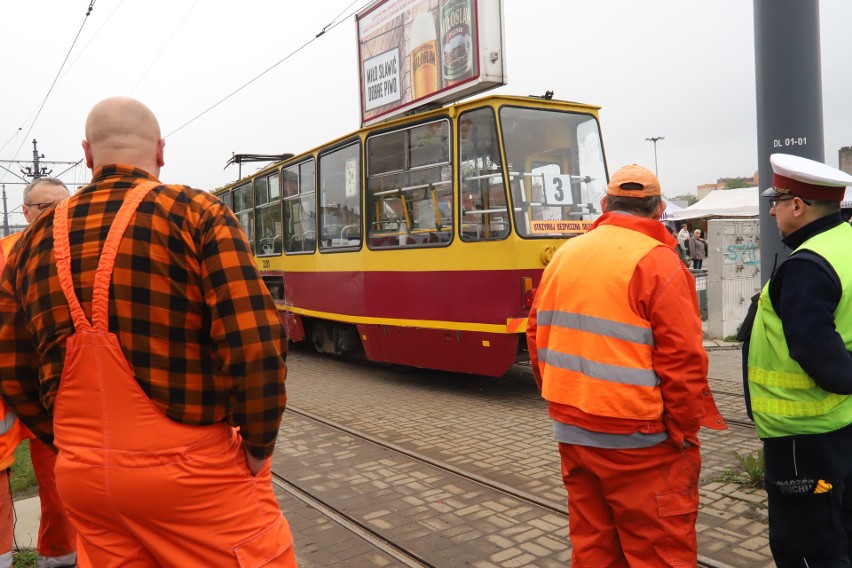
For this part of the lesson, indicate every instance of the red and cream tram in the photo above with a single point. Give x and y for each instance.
(421, 240)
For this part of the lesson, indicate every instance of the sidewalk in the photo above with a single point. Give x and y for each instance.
(718, 344)
(27, 514)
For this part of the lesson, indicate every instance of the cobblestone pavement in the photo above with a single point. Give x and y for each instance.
(497, 429)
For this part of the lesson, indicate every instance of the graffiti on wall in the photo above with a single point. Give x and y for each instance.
(745, 253)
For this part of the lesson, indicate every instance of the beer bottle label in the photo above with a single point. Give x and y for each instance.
(456, 41)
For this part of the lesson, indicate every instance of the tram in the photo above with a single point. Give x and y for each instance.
(420, 241)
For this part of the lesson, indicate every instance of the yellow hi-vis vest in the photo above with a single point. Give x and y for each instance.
(595, 352)
(784, 399)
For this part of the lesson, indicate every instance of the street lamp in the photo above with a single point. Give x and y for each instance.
(654, 140)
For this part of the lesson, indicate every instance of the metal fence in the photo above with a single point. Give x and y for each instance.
(700, 276)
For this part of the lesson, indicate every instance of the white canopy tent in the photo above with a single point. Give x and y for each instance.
(670, 208)
(742, 202)
(847, 198)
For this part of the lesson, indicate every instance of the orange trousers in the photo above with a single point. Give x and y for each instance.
(632, 507)
(56, 536)
(7, 520)
(141, 489)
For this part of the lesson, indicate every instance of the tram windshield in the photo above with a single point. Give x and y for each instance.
(556, 170)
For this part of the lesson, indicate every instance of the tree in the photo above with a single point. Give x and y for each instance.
(690, 198)
(734, 183)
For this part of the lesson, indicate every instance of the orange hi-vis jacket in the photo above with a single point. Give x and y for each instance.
(615, 335)
(11, 431)
(11, 435)
(596, 351)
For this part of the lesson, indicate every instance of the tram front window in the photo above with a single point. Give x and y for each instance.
(556, 170)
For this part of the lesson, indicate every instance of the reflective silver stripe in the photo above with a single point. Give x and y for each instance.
(604, 371)
(7, 423)
(596, 325)
(57, 561)
(570, 434)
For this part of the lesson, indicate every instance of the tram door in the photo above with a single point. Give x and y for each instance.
(484, 208)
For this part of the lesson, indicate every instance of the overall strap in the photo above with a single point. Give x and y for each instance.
(100, 291)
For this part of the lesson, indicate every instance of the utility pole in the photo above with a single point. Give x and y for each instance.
(5, 214)
(654, 139)
(29, 171)
(36, 170)
(789, 100)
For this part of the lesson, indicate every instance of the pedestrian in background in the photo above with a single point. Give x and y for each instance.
(683, 236)
(697, 249)
(153, 319)
(614, 338)
(57, 539)
(800, 369)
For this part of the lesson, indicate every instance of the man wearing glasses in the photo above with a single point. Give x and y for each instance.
(799, 369)
(41, 194)
(56, 536)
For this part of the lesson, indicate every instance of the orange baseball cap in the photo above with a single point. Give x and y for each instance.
(633, 181)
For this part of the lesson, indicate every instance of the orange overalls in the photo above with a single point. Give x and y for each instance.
(141, 489)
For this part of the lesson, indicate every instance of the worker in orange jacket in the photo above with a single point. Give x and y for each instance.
(614, 338)
(10, 437)
(56, 536)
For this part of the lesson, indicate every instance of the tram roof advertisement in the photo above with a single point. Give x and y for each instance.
(417, 52)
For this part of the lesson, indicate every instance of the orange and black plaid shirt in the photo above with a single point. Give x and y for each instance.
(189, 308)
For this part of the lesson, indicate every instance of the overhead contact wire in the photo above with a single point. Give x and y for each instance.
(55, 79)
(329, 27)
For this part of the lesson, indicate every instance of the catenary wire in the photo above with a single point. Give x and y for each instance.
(163, 48)
(55, 79)
(327, 28)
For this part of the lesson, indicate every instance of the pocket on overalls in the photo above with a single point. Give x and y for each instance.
(678, 509)
(804, 524)
(678, 512)
(271, 547)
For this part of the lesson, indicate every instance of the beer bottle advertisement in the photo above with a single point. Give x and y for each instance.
(424, 59)
(457, 39)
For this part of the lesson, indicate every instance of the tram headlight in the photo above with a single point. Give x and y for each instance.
(547, 254)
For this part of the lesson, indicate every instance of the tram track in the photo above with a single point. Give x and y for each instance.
(400, 552)
(406, 557)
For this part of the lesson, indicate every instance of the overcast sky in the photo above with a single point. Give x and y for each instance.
(681, 69)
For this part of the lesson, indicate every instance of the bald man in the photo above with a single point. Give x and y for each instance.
(152, 317)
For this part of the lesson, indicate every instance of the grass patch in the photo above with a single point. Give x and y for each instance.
(24, 483)
(25, 559)
(749, 471)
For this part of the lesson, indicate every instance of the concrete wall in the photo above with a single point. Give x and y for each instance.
(733, 273)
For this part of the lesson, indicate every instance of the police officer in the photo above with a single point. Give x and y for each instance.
(799, 369)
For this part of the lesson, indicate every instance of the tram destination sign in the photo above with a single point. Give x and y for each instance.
(413, 53)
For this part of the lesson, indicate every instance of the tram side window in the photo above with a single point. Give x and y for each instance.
(340, 198)
(244, 210)
(228, 199)
(267, 198)
(485, 213)
(409, 199)
(300, 233)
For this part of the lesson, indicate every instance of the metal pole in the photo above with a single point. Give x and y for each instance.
(654, 140)
(36, 165)
(5, 216)
(789, 99)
